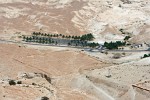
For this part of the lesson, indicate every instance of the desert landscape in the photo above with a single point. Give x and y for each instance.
(74, 50)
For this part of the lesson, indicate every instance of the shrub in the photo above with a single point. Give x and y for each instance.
(127, 38)
(145, 56)
(117, 56)
(106, 53)
(12, 82)
(44, 98)
(123, 53)
(19, 82)
(33, 84)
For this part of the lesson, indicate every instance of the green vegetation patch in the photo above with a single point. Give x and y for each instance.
(127, 38)
(114, 45)
(12, 82)
(59, 39)
(145, 56)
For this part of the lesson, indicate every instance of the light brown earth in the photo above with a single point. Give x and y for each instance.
(54, 63)
(74, 74)
(103, 18)
(67, 73)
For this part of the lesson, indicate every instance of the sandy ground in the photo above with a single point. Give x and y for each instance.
(49, 61)
(52, 61)
(74, 74)
(100, 17)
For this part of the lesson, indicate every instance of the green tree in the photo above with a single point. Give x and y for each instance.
(72, 37)
(88, 37)
(145, 56)
(63, 36)
(93, 45)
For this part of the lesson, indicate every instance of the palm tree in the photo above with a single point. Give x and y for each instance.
(69, 36)
(40, 40)
(30, 39)
(39, 33)
(72, 37)
(34, 33)
(49, 40)
(48, 35)
(57, 35)
(75, 37)
(45, 34)
(27, 39)
(24, 37)
(63, 36)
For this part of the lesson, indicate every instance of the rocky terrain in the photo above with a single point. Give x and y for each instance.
(66, 73)
(103, 18)
(30, 72)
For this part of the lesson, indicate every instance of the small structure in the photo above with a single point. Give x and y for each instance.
(101, 48)
(108, 74)
(136, 45)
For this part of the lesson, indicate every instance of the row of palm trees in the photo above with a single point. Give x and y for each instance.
(38, 40)
(114, 45)
(86, 37)
(55, 35)
(46, 40)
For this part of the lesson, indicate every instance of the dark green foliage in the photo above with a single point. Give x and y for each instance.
(121, 30)
(146, 55)
(114, 45)
(12, 82)
(128, 44)
(44, 98)
(127, 38)
(76, 37)
(33, 84)
(57, 35)
(63, 36)
(93, 45)
(57, 39)
(19, 82)
(72, 37)
(24, 37)
(87, 37)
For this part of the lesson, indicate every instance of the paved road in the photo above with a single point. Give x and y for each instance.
(128, 50)
(38, 44)
(85, 49)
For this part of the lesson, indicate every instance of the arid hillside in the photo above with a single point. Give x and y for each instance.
(30, 72)
(103, 18)
(30, 65)
(73, 67)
